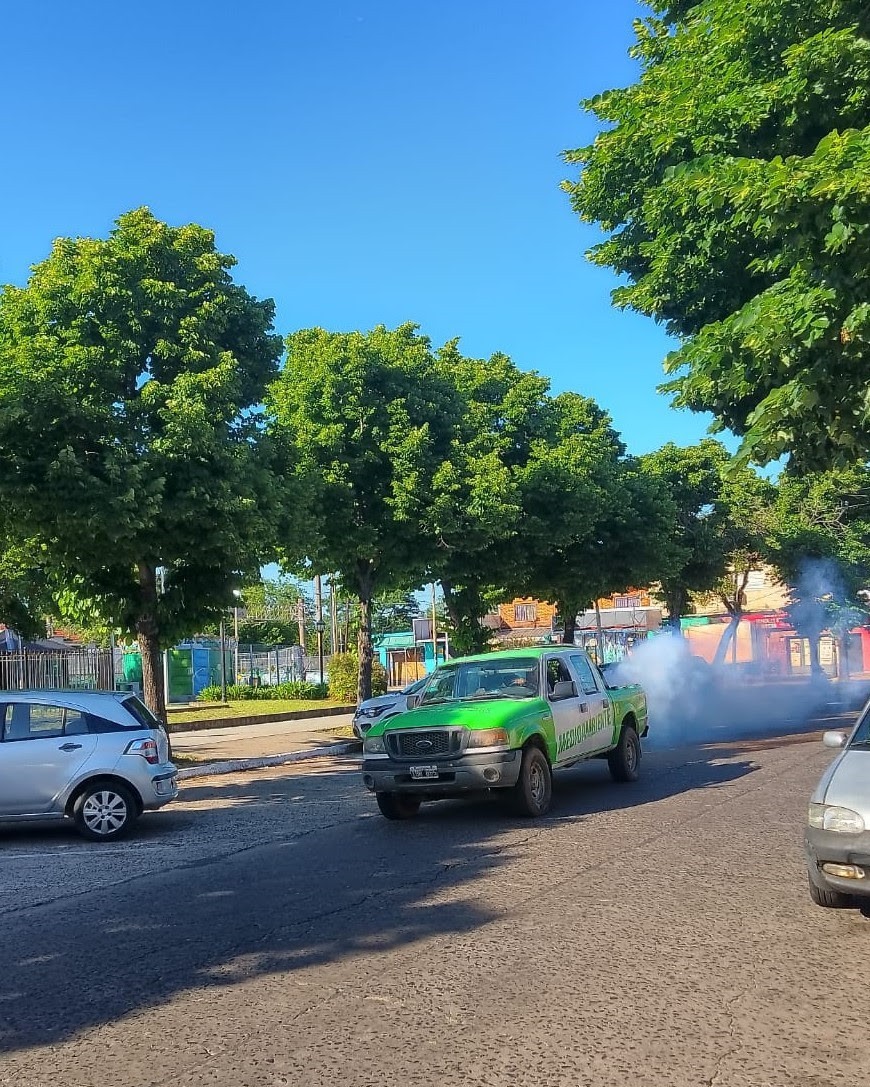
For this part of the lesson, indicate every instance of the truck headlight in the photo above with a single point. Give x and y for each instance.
(488, 737)
(833, 817)
(374, 745)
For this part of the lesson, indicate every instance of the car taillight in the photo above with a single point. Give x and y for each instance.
(146, 748)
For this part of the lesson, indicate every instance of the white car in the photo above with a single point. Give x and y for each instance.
(838, 823)
(384, 706)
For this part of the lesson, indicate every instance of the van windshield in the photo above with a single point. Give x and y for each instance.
(507, 677)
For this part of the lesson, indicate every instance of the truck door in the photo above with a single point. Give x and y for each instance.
(600, 721)
(569, 707)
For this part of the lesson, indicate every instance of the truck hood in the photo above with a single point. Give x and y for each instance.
(471, 713)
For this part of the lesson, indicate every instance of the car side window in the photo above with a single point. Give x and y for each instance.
(557, 672)
(32, 721)
(585, 674)
(75, 723)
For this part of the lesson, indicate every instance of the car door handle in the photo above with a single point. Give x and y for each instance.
(69, 747)
(584, 706)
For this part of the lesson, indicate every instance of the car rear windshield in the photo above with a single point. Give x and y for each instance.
(507, 677)
(140, 711)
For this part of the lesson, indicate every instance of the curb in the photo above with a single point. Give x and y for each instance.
(231, 766)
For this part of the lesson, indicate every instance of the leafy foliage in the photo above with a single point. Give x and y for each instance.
(732, 180)
(367, 423)
(343, 676)
(130, 368)
(242, 692)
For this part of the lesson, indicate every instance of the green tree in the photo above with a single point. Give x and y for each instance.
(478, 500)
(367, 422)
(594, 521)
(394, 612)
(820, 542)
(731, 179)
(697, 535)
(130, 368)
(748, 506)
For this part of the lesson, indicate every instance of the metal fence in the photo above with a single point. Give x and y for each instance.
(85, 669)
(267, 667)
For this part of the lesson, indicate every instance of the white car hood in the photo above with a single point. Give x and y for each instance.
(847, 781)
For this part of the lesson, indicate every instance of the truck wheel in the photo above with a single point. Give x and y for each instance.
(624, 759)
(534, 788)
(396, 806)
(832, 900)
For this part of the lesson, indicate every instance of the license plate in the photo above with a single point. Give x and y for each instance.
(424, 773)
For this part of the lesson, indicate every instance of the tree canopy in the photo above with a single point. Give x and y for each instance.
(366, 423)
(130, 371)
(732, 180)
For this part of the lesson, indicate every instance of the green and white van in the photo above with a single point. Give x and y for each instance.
(504, 721)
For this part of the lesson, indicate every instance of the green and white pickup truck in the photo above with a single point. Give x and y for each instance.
(503, 721)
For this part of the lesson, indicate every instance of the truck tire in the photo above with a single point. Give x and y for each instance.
(397, 806)
(831, 900)
(624, 759)
(533, 791)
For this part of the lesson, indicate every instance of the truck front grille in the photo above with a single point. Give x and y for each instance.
(423, 743)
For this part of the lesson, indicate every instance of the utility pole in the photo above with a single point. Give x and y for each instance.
(319, 625)
(434, 631)
(223, 652)
(600, 634)
(333, 615)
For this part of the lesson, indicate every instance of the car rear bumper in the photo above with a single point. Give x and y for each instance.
(162, 787)
(826, 847)
(469, 773)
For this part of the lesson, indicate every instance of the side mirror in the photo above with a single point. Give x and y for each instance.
(412, 700)
(563, 689)
(834, 739)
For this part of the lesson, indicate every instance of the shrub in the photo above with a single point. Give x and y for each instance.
(343, 668)
(241, 692)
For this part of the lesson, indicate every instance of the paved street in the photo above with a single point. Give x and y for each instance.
(271, 928)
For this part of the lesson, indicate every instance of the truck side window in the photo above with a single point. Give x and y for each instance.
(557, 673)
(584, 672)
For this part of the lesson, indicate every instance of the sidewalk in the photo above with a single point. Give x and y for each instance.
(249, 747)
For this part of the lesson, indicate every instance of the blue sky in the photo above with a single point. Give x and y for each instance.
(367, 161)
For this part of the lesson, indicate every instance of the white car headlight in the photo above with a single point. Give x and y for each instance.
(370, 711)
(374, 745)
(833, 817)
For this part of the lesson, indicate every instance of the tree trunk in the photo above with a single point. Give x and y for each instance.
(677, 601)
(570, 622)
(365, 650)
(815, 664)
(147, 633)
(729, 637)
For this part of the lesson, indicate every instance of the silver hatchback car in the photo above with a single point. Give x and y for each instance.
(96, 757)
(838, 822)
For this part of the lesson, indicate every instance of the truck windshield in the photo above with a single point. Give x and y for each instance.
(507, 677)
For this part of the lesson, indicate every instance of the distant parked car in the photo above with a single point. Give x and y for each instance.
(384, 706)
(96, 757)
(838, 822)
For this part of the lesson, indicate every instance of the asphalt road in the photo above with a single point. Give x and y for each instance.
(271, 928)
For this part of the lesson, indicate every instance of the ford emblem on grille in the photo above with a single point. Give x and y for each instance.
(424, 745)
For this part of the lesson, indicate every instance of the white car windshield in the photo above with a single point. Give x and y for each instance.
(504, 677)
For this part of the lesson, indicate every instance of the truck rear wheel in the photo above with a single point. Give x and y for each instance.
(534, 789)
(397, 806)
(624, 759)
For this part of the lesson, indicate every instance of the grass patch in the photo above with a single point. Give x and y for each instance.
(215, 711)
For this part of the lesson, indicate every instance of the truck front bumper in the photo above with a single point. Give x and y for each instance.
(468, 773)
